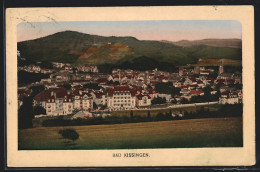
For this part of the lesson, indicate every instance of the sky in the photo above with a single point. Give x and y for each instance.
(171, 30)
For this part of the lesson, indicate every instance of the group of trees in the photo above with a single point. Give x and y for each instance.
(29, 77)
(112, 82)
(167, 88)
(26, 112)
(67, 86)
(158, 100)
(42, 64)
(142, 63)
(93, 86)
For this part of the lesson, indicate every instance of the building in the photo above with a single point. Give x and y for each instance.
(59, 101)
(229, 97)
(221, 67)
(197, 70)
(121, 97)
(143, 100)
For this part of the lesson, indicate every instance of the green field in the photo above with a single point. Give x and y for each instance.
(208, 132)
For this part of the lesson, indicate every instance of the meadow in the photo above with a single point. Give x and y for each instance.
(190, 133)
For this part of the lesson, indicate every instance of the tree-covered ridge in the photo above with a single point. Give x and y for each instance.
(69, 46)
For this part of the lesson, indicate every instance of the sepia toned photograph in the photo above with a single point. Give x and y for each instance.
(110, 87)
(129, 84)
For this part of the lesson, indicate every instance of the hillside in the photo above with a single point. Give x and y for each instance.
(80, 48)
(232, 43)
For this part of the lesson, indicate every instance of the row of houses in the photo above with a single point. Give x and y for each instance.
(59, 101)
(35, 69)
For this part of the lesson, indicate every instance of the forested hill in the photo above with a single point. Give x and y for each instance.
(80, 48)
(233, 43)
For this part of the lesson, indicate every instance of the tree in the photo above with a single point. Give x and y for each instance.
(95, 105)
(46, 64)
(29, 77)
(69, 134)
(25, 114)
(174, 101)
(148, 114)
(103, 107)
(158, 100)
(184, 101)
(160, 116)
(67, 86)
(39, 110)
(93, 86)
(207, 93)
(149, 87)
(36, 90)
(168, 115)
(131, 114)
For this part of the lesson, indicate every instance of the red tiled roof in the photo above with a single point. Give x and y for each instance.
(121, 89)
(140, 96)
(102, 80)
(193, 79)
(184, 86)
(196, 92)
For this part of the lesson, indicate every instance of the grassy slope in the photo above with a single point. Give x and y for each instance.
(210, 132)
(56, 47)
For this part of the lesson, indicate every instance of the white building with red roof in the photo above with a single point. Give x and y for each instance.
(143, 100)
(121, 97)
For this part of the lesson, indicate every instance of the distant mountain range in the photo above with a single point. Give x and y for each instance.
(233, 43)
(80, 48)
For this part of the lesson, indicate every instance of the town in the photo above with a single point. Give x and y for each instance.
(71, 89)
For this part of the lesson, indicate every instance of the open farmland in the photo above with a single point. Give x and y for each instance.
(209, 132)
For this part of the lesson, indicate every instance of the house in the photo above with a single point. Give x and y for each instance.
(59, 101)
(143, 100)
(99, 98)
(190, 81)
(83, 101)
(196, 92)
(185, 91)
(229, 98)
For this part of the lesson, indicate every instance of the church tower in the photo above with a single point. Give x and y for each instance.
(221, 67)
(180, 71)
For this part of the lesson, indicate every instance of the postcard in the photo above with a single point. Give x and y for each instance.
(130, 86)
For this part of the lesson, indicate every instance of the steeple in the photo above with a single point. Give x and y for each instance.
(119, 77)
(221, 68)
